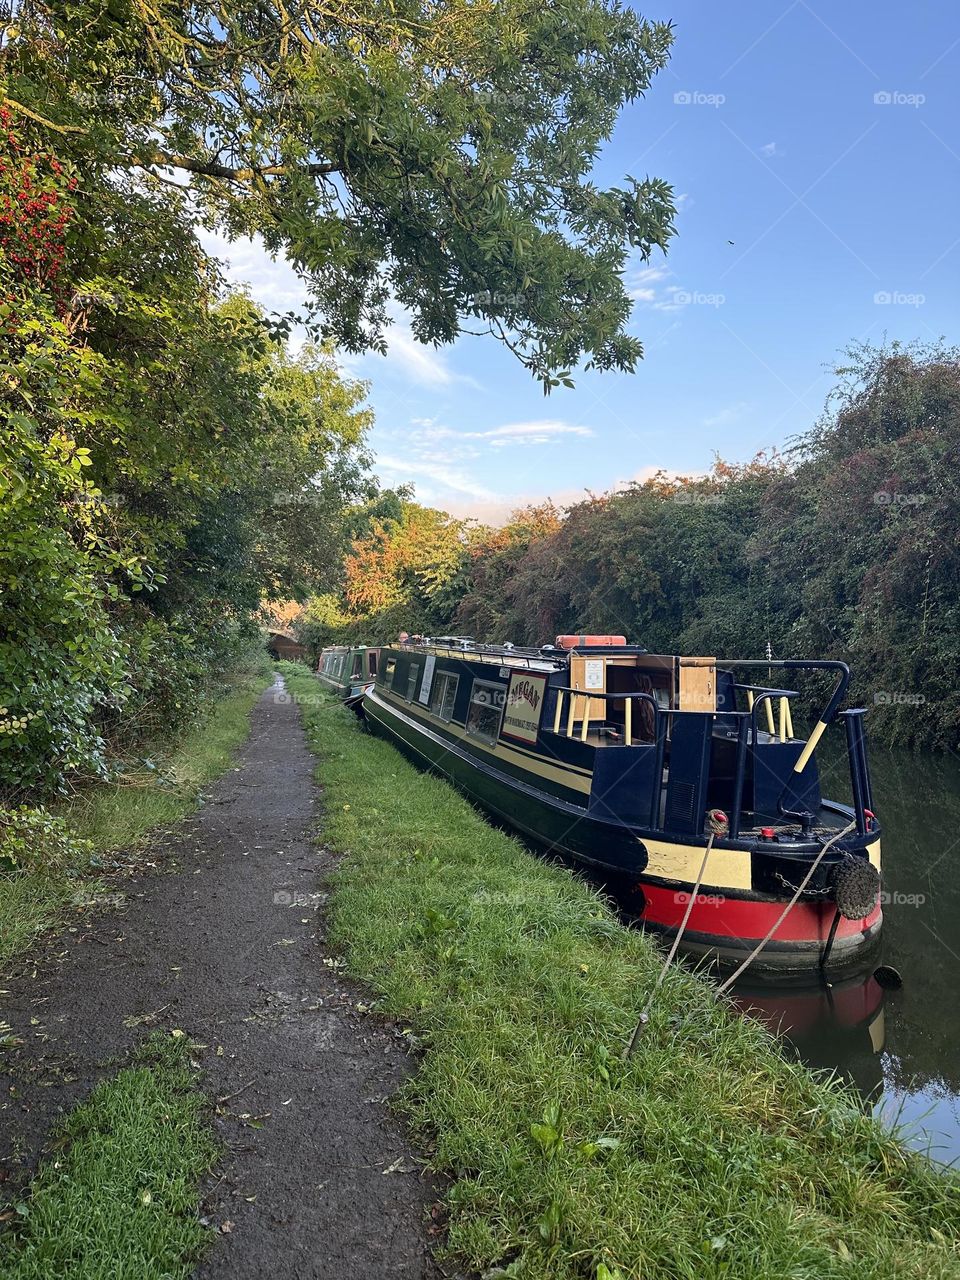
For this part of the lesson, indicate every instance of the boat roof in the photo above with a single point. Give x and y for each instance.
(506, 653)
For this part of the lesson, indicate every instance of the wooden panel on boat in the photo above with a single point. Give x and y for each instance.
(589, 673)
(698, 684)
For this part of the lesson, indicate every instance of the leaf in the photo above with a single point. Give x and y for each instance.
(544, 1135)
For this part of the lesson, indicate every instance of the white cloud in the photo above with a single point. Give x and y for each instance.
(641, 282)
(731, 413)
(440, 462)
(645, 286)
(423, 365)
(538, 431)
(440, 483)
(770, 149)
(275, 285)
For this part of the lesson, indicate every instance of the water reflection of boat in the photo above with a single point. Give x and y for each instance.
(837, 1026)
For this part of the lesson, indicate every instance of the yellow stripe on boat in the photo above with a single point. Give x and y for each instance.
(726, 868)
(570, 776)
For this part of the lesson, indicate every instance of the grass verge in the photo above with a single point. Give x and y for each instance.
(708, 1155)
(120, 1198)
(117, 815)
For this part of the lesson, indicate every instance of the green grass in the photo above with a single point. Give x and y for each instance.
(118, 1200)
(709, 1154)
(118, 815)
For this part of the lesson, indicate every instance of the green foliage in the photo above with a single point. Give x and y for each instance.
(32, 840)
(436, 155)
(165, 466)
(708, 1154)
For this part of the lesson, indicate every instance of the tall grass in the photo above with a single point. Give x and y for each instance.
(709, 1154)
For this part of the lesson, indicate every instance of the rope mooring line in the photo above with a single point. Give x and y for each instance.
(728, 982)
(645, 1016)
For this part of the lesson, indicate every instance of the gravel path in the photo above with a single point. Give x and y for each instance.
(318, 1179)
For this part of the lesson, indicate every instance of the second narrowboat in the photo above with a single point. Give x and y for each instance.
(348, 671)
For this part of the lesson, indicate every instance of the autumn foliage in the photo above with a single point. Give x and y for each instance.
(35, 210)
(845, 547)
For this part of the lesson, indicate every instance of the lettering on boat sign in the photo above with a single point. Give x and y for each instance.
(593, 673)
(521, 717)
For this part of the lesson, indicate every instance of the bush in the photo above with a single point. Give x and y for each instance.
(33, 840)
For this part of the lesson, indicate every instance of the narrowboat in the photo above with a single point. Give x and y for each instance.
(348, 672)
(675, 772)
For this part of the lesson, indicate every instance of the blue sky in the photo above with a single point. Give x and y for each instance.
(821, 140)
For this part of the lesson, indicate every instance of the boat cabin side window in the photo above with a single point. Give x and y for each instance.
(413, 679)
(444, 694)
(356, 671)
(486, 709)
(387, 673)
(371, 662)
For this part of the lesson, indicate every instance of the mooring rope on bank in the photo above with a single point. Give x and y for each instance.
(728, 982)
(645, 1015)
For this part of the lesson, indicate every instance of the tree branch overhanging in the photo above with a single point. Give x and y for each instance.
(213, 169)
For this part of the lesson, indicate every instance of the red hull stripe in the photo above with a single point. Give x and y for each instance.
(723, 917)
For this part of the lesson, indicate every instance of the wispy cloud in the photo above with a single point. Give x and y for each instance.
(538, 431)
(425, 366)
(276, 287)
(727, 415)
(440, 483)
(645, 285)
(770, 149)
(642, 282)
(273, 284)
(439, 461)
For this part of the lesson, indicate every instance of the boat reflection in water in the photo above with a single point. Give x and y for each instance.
(835, 1027)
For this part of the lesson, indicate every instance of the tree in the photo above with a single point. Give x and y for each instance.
(164, 465)
(436, 154)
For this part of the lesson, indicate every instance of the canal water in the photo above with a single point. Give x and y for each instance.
(900, 1048)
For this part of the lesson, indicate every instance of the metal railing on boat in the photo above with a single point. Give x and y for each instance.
(746, 729)
(588, 695)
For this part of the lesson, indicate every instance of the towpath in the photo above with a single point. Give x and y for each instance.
(317, 1180)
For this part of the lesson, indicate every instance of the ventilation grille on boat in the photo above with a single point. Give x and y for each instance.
(680, 799)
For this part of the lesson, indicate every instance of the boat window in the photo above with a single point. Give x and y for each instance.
(357, 671)
(389, 672)
(486, 708)
(372, 663)
(444, 694)
(413, 678)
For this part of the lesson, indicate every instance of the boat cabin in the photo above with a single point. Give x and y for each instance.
(348, 670)
(658, 738)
